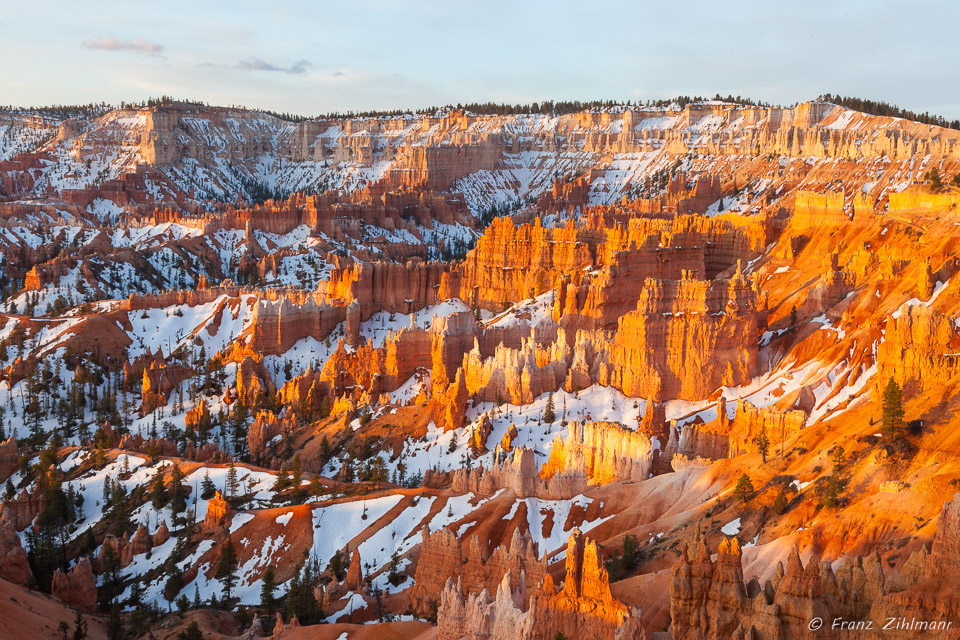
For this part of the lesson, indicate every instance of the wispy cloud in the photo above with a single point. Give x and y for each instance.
(256, 64)
(137, 45)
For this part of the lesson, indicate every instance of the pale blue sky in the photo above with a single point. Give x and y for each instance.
(315, 57)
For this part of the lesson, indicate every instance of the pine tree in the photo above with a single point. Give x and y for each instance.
(839, 458)
(178, 493)
(744, 488)
(267, 600)
(173, 585)
(549, 416)
(830, 493)
(300, 600)
(780, 503)
(296, 477)
(158, 492)
(893, 409)
(207, 488)
(192, 632)
(227, 567)
(282, 479)
(336, 565)
(232, 482)
(115, 630)
(79, 627)
(763, 443)
(793, 316)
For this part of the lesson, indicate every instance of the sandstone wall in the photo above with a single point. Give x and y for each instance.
(584, 606)
(442, 558)
(518, 472)
(603, 451)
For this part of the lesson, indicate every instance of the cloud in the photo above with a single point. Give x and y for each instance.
(137, 45)
(256, 64)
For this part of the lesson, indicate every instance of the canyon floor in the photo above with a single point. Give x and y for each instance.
(683, 371)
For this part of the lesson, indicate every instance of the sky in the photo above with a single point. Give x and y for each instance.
(318, 57)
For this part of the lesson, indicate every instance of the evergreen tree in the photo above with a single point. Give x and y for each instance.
(269, 585)
(227, 567)
(744, 488)
(79, 627)
(336, 565)
(549, 414)
(830, 492)
(207, 488)
(763, 443)
(780, 503)
(300, 601)
(192, 632)
(893, 409)
(793, 316)
(232, 482)
(933, 176)
(296, 476)
(839, 458)
(282, 480)
(158, 492)
(115, 630)
(173, 585)
(178, 492)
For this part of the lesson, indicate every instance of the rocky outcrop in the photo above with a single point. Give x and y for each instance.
(650, 354)
(363, 287)
(162, 534)
(519, 375)
(708, 599)
(159, 380)
(141, 542)
(651, 357)
(944, 559)
(77, 587)
(280, 324)
(750, 420)
(816, 210)
(451, 403)
(518, 472)
(137, 443)
(22, 509)
(727, 437)
(209, 452)
(197, 420)
(218, 512)
(13, 559)
(442, 557)
(919, 350)
(354, 580)
(254, 383)
(590, 264)
(602, 451)
(9, 458)
(265, 428)
(584, 607)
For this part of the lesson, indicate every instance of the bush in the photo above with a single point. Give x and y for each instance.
(781, 504)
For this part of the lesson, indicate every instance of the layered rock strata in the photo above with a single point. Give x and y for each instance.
(583, 607)
(602, 451)
(518, 473)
